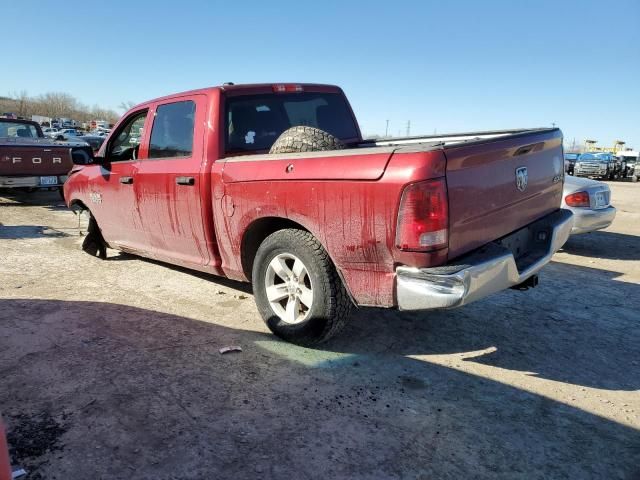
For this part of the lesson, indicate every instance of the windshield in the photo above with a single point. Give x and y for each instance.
(628, 158)
(593, 157)
(17, 130)
(254, 122)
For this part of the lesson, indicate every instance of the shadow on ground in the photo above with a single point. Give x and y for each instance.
(552, 331)
(603, 244)
(115, 256)
(17, 232)
(593, 341)
(41, 198)
(132, 392)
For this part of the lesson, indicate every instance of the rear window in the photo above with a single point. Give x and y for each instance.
(254, 122)
(17, 130)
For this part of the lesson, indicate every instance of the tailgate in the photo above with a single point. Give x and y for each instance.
(33, 160)
(485, 202)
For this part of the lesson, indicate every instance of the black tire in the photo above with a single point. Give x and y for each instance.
(305, 139)
(94, 243)
(331, 305)
(61, 192)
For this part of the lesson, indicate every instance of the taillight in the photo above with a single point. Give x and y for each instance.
(578, 199)
(423, 217)
(287, 88)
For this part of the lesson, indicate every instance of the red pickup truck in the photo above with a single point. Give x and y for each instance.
(28, 160)
(199, 179)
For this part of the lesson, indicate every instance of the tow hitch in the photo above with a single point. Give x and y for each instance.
(530, 282)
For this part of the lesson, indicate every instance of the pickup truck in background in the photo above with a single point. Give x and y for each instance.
(629, 158)
(601, 165)
(28, 160)
(273, 184)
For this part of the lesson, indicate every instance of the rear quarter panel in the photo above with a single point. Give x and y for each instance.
(354, 218)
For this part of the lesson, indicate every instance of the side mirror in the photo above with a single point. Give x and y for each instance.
(84, 156)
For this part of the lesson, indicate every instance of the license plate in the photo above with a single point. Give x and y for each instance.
(48, 180)
(601, 199)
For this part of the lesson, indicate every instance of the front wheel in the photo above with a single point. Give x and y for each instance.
(297, 289)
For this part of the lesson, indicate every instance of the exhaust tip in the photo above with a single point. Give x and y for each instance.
(530, 282)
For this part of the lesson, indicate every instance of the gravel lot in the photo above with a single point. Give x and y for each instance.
(110, 369)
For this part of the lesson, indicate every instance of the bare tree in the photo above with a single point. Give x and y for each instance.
(126, 105)
(54, 105)
(22, 103)
(57, 104)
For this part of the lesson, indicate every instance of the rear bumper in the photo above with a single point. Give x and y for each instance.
(488, 270)
(30, 182)
(587, 220)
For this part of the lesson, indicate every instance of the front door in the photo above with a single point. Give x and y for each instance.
(112, 193)
(170, 184)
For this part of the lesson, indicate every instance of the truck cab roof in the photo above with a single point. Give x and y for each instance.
(250, 89)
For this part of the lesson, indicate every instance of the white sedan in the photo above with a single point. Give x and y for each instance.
(590, 202)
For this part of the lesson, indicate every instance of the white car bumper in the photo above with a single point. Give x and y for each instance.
(588, 220)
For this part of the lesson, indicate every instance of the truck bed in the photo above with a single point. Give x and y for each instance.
(480, 167)
(446, 139)
(484, 202)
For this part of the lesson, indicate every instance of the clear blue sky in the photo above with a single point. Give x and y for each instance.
(450, 66)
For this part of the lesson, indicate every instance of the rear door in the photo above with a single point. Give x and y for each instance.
(499, 186)
(168, 181)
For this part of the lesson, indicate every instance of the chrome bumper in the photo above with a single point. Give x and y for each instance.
(587, 220)
(488, 270)
(590, 173)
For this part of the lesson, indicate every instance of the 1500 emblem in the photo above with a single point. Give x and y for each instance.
(522, 178)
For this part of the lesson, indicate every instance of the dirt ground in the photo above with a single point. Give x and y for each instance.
(110, 369)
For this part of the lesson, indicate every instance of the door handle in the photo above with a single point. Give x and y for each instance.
(185, 180)
(126, 180)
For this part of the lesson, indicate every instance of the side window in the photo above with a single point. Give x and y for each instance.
(172, 132)
(126, 142)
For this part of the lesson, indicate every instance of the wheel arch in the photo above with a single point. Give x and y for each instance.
(258, 230)
(77, 204)
(255, 234)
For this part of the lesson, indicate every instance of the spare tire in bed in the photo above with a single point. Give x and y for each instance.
(305, 139)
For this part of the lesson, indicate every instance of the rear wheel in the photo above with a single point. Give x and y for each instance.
(297, 289)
